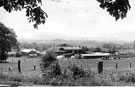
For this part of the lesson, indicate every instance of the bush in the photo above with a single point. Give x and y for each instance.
(17, 79)
(128, 77)
(50, 66)
(47, 59)
(76, 71)
(75, 76)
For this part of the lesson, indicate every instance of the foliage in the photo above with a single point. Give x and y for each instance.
(33, 10)
(84, 49)
(16, 79)
(64, 45)
(98, 49)
(49, 65)
(47, 59)
(110, 45)
(7, 41)
(128, 77)
(77, 72)
(89, 78)
(116, 8)
(83, 78)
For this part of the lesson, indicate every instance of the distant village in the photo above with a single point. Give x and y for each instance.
(77, 52)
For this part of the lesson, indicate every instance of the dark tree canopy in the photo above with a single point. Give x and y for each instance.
(116, 8)
(33, 10)
(7, 41)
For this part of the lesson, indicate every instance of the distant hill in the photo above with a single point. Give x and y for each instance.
(72, 42)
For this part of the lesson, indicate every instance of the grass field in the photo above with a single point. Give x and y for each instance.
(29, 76)
(107, 64)
(27, 64)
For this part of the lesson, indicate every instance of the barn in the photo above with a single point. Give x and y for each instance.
(29, 52)
(95, 55)
(74, 50)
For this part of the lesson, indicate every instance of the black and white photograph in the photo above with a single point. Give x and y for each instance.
(46, 43)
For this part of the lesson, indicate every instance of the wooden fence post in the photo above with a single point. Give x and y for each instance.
(9, 69)
(1, 69)
(34, 68)
(130, 64)
(19, 66)
(100, 66)
(116, 65)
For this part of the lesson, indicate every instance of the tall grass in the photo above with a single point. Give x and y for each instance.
(67, 78)
(127, 77)
(17, 79)
(72, 75)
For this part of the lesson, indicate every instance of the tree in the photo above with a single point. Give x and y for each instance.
(33, 10)
(116, 8)
(65, 45)
(49, 65)
(98, 49)
(7, 41)
(84, 49)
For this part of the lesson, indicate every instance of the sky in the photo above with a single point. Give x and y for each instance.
(73, 19)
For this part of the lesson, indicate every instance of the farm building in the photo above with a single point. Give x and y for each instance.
(29, 52)
(65, 50)
(95, 55)
(74, 50)
(12, 53)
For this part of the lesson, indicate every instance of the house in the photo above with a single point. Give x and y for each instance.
(66, 50)
(12, 53)
(74, 50)
(29, 52)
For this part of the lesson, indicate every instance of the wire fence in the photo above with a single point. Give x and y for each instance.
(26, 65)
(33, 64)
(90, 64)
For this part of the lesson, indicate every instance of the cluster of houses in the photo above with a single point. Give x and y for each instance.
(68, 52)
(25, 52)
(77, 52)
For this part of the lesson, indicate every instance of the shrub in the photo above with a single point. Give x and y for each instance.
(3, 77)
(19, 79)
(47, 59)
(76, 71)
(50, 66)
(91, 82)
(128, 77)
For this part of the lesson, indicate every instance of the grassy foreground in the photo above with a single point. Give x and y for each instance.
(58, 73)
(83, 78)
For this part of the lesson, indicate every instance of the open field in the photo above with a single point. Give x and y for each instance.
(27, 64)
(107, 64)
(110, 76)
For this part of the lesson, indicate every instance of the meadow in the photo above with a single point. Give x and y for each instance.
(27, 64)
(91, 64)
(124, 75)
